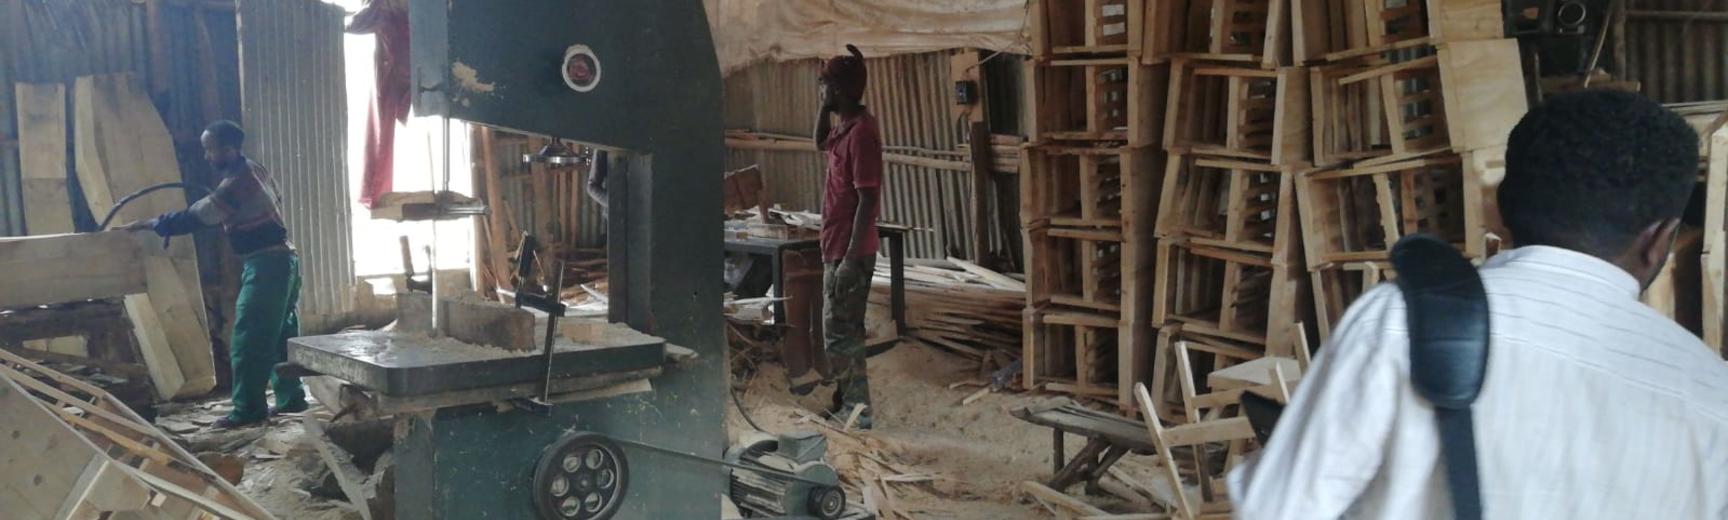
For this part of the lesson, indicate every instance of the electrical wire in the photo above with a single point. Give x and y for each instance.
(741, 411)
(200, 191)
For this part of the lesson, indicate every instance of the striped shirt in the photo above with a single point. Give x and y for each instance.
(1595, 406)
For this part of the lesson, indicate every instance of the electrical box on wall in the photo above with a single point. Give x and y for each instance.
(966, 70)
(965, 92)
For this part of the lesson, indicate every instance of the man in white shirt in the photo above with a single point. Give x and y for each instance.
(1594, 406)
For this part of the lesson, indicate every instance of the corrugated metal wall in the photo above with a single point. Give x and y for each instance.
(294, 107)
(910, 96)
(1678, 49)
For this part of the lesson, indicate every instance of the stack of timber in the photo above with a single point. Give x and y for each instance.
(76, 452)
(1411, 108)
(1236, 133)
(958, 306)
(122, 146)
(1089, 191)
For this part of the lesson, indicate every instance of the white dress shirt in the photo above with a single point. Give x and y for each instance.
(1595, 406)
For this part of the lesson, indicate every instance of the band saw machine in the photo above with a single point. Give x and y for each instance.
(627, 421)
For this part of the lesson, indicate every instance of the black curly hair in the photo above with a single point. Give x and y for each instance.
(1588, 171)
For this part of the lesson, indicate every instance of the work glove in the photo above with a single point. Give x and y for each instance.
(141, 225)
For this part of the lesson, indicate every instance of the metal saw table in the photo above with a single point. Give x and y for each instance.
(407, 373)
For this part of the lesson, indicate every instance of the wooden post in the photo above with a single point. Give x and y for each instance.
(495, 217)
(981, 177)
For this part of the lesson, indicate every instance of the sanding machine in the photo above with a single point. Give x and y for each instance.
(628, 421)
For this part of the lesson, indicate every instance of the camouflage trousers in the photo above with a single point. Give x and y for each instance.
(845, 296)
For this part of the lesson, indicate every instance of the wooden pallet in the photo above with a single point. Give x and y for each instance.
(1236, 295)
(1254, 32)
(1115, 99)
(1356, 214)
(1064, 28)
(1333, 30)
(1245, 113)
(1225, 203)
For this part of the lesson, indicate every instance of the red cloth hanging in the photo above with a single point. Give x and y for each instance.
(392, 93)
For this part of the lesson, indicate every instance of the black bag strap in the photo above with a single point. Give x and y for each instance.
(1447, 310)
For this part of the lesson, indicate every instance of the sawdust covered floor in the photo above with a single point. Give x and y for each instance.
(280, 466)
(975, 456)
(929, 456)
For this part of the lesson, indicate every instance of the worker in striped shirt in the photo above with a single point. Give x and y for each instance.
(246, 205)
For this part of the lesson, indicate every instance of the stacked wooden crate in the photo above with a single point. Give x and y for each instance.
(1229, 267)
(1089, 189)
(1411, 107)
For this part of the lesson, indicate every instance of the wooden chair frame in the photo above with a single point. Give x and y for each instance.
(1357, 214)
(1224, 203)
(1194, 434)
(1338, 285)
(1098, 99)
(1243, 113)
(1073, 352)
(1239, 31)
(1334, 30)
(1080, 187)
(1095, 27)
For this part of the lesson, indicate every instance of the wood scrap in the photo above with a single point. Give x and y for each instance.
(1058, 498)
(955, 310)
(102, 426)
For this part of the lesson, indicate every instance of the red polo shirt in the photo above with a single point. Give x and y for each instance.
(854, 164)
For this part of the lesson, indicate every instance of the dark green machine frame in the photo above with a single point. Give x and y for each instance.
(497, 62)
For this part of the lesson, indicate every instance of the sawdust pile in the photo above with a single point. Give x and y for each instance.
(929, 456)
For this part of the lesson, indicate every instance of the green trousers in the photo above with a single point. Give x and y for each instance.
(846, 296)
(265, 317)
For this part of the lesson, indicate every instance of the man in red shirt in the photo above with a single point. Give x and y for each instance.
(849, 206)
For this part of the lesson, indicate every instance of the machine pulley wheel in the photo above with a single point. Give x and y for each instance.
(828, 502)
(582, 476)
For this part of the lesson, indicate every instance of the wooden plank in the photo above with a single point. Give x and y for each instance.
(475, 321)
(122, 146)
(981, 179)
(992, 278)
(1051, 496)
(1461, 20)
(1483, 84)
(63, 268)
(42, 157)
